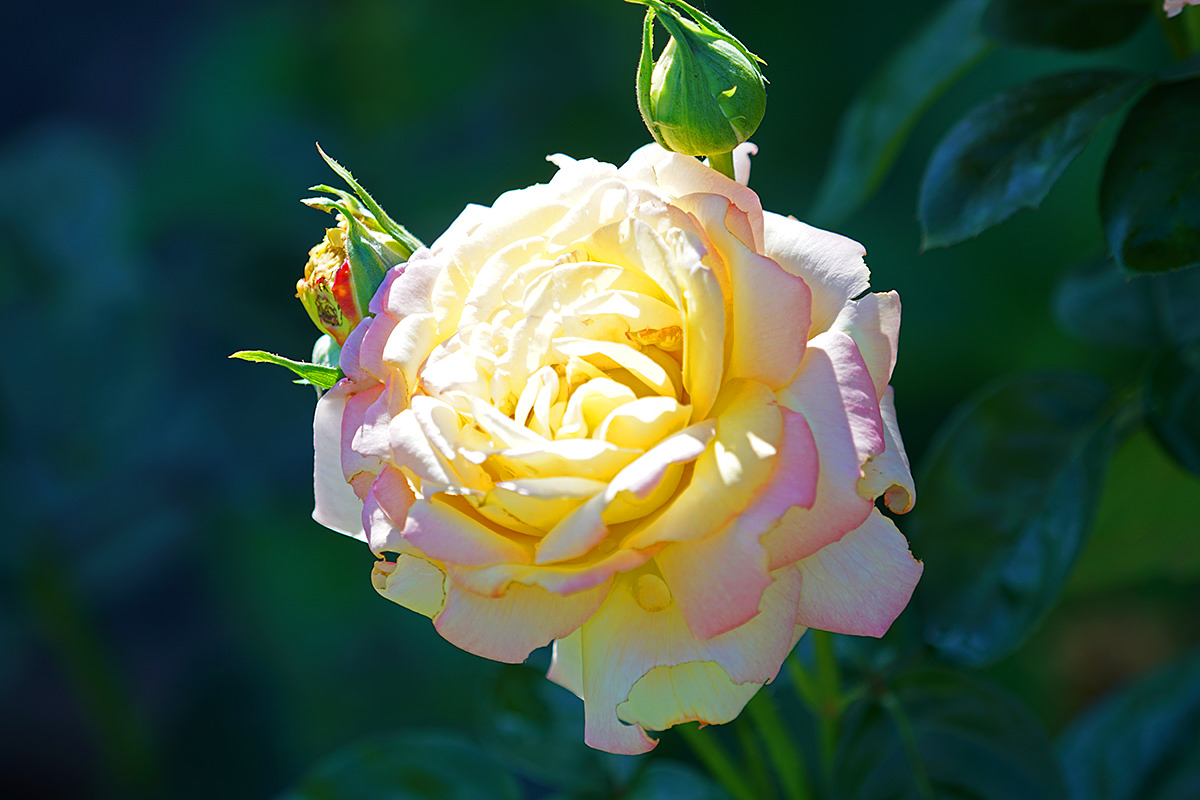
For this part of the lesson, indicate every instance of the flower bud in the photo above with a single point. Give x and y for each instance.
(326, 291)
(706, 94)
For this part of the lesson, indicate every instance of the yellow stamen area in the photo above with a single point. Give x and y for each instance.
(651, 593)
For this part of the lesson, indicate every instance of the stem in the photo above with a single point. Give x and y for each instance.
(723, 163)
(789, 765)
(892, 706)
(829, 691)
(755, 764)
(717, 761)
(1174, 35)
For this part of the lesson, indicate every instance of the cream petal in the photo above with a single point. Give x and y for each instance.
(561, 578)
(643, 422)
(861, 583)
(718, 581)
(385, 511)
(728, 475)
(639, 628)
(566, 663)
(741, 161)
(873, 322)
(509, 627)
(834, 392)
(683, 175)
(829, 263)
(413, 582)
(888, 473)
(336, 505)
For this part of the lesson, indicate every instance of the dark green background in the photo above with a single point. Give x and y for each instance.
(172, 623)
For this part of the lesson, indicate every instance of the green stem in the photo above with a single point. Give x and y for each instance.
(788, 763)
(900, 719)
(756, 765)
(723, 163)
(1174, 34)
(829, 692)
(717, 761)
(1191, 24)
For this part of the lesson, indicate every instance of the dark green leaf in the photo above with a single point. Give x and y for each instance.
(536, 727)
(670, 780)
(408, 766)
(1173, 405)
(1150, 193)
(1142, 743)
(1009, 491)
(1102, 303)
(317, 375)
(1008, 152)
(1066, 24)
(940, 734)
(879, 120)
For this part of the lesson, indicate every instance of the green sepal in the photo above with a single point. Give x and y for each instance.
(320, 376)
(389, 225)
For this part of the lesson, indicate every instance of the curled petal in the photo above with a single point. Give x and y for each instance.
(888, 473)
(873, 322)
(860, 584)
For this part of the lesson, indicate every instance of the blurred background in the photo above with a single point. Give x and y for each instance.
(172, 622)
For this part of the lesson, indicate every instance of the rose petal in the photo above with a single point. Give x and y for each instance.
(834, 392)
(860, 584)
(336, 506)
(830, 264)
(888, 473)
(873, 322)
(443, 530)
(413, 582)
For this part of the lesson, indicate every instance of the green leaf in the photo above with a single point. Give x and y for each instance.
(317, 375)
(1009, 491)
(1150, 193)
(940, 734)
(1140, 743)
(389, 225)
(877, 123)
(407, 766)
(536, 727)
(1065, 24)
(1173, 405)
(1008, 152)
(1100, 302)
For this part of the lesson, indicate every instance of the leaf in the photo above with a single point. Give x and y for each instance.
(1010, 488)
(1100, 302)
(536, 727)
(1150, 192)
(1008, 152)
(317, 375)
(407, 766)
(1140, 743)
(389, 225)
(941, 734)
(1173, 405)
(879, 120)
(1065, 24)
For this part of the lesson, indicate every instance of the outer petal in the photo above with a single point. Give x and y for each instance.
(336, 507)
(860, 584)
(412, 582)
(873, 322)
(830, 264)
(508, 628)
(639, 629)
(888, 473)
(834, 392)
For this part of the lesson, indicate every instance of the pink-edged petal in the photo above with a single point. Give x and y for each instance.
(444, 530)
(368, 416)
(873, 322)
(336, 505)
(385, 511)
(860, 584)
(563, 578)
(639, 628)
(718, 581)
(770, 307)
(508, 628)
(834, 392)
(888, 473)
(348, 360)
(411, 581)
(829, 263)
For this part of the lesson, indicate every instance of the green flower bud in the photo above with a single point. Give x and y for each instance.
(706, 94)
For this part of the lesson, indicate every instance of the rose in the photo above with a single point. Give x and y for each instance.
(1173, 7)
(631, 413)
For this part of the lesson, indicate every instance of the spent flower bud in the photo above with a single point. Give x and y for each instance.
(705, 95)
